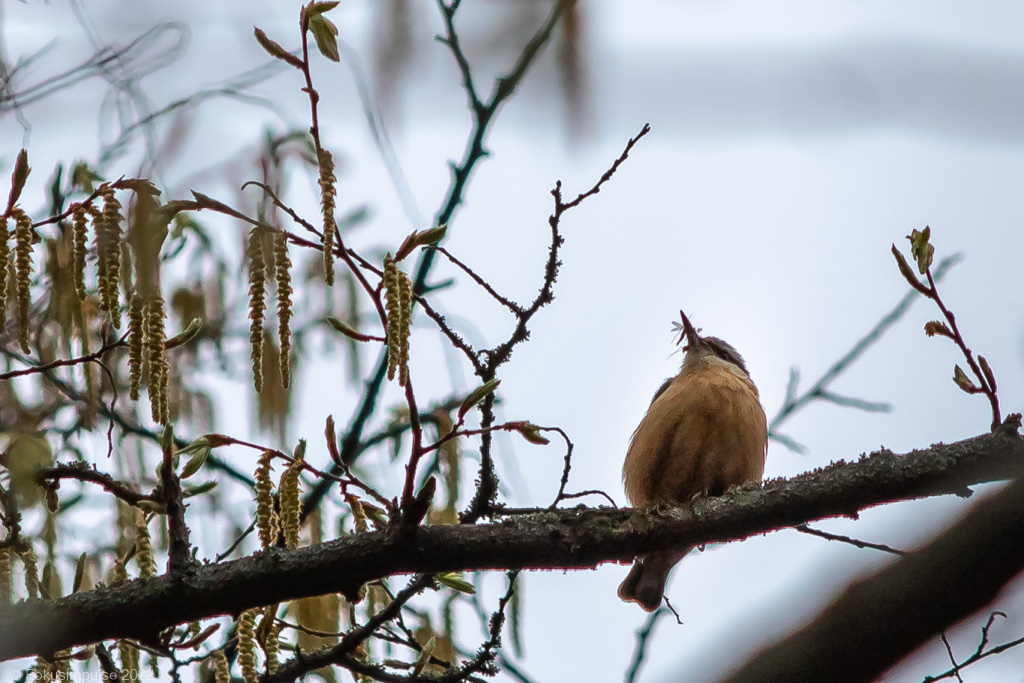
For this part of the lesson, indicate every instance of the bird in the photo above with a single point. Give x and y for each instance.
(704, 432)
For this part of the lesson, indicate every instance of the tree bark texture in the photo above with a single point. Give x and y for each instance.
(880, 619)
(557, 539)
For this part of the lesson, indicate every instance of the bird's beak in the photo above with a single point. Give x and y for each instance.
(693, 340)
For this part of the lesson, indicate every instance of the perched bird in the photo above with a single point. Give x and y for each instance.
(704, 431)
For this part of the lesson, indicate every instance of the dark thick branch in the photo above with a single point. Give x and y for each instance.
(877, 621)
(571, 538)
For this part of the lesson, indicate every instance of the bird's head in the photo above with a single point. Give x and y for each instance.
(700, 348)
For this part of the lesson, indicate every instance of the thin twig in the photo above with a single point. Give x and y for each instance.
(804, 529)
(66, 362)
(819, 390)
(985, 630)
(952, 657)
(975, 658)
(88, 200)
(591, 492)
(241, 537)
(986, 387)
(82, 472)
(565, 470)
(507, 303)
(123, 422)
(507, 665)
(978, 654)
(474, 152)
(487, 484)
(456, 340)
(309, 227)
(486, 653)
(417, 447)
(483, 114)
(314, 130)
(350, 480)
(643, 636)
(611, 170)
(339, 654)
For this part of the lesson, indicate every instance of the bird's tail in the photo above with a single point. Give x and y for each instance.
(645, 583)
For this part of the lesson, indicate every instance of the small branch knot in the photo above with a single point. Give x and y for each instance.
(1010, 426)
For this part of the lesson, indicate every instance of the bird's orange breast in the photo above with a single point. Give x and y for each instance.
(704, 433)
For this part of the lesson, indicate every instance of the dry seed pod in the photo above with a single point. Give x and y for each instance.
(222, 673)
(23, 271)
(79, 218)
(31, 565)
(5, 252)
(284, 303)
(327, 192)
(257, 307)
(266, 520)
(247, 645)
(129, 660)
(144, 547)
(5, 576)
(398, 292)
(159, 370)
(108, 247)
(289, 495)
(272, 647)
(405, 305)
(136, 340)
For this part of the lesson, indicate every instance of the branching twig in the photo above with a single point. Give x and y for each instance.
(978, 655)
(483, 116)
(67, 362)
(487, 485)
(314, 130)
(565, 470)
(952, 657)
(819, 390)
(81, 471)
(485, 655)
(341, 652)
(126, 425)
(486, 286)
(609, 173)
(985, 630)
(348, 480)
(590, 492)
(975, 658)
(456, 340)
(968, 565)
(923, 253)
(984, 376)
